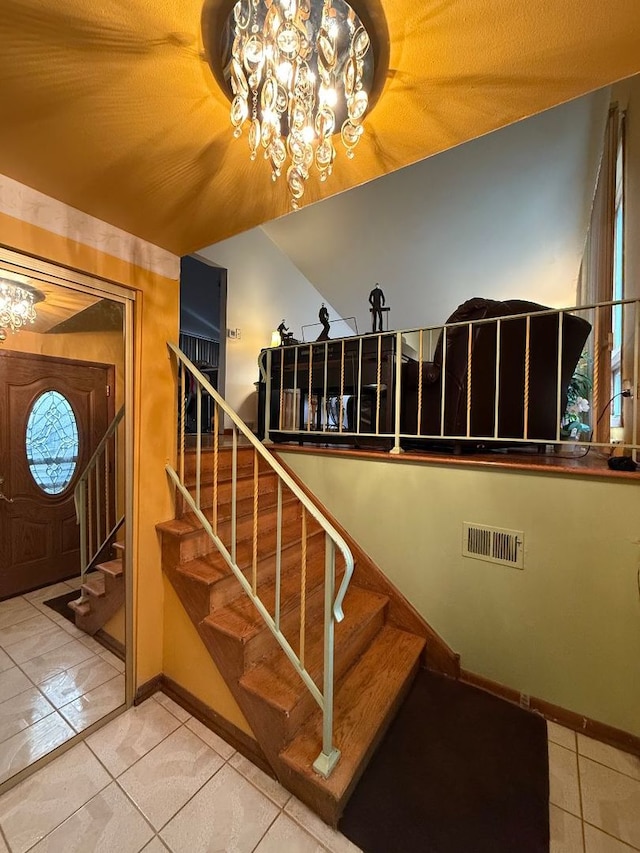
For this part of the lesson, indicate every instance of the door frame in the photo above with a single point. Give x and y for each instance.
(36, 268)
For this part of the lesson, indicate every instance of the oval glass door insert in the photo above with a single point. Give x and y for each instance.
(52, 442)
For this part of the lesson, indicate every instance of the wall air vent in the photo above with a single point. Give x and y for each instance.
(493, 544)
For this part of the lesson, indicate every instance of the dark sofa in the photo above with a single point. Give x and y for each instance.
(543, 374)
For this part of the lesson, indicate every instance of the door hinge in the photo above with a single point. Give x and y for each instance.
(108, 390)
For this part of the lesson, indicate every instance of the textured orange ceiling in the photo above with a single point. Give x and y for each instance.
(109, 106)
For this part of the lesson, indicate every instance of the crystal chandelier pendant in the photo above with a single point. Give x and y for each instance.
(299, 71)
(16, 304)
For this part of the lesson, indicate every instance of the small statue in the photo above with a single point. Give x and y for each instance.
(376, 300)
(323, 316)
(285, 334)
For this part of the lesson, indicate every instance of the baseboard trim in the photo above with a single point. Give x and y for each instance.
(579, 723)
(225, 729)
(148, 689)
(110, 643)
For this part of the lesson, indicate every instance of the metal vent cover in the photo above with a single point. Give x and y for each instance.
(493, 544)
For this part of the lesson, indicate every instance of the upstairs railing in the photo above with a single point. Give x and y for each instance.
(543, 377)
(96, 497)
(214, 499)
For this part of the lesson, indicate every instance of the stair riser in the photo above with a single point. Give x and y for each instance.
(197, 543)
(225, 462)
(102, 609)
(345, 654)
(267, 485)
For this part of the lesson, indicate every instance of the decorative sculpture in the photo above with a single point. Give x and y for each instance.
(323, 316)
(376, 300)
(285, 334)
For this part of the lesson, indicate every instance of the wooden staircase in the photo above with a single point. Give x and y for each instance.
(378, 645)
(102, 593)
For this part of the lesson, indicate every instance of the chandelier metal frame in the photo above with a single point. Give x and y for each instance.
(17, 303)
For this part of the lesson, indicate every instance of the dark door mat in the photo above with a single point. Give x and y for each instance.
(61, 604)
(459, 771)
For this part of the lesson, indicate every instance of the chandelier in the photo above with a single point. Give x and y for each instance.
(17, 300)
(297, 72)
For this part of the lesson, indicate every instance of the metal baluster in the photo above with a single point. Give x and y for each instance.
(303, 588)
(443, 378)
(378, 378)
(559, 380)
(325, 399)
(469, 367)
(595, 402)
(420, 355)
(183, 410)
(310, 388)
(398, 393)
(107, 525)
(359, 386)
(278, 554)
(341, 416)
(83, 527)
(216, 427)
(280, 413)
(527, 367)
(296, 422)
(496, 402)
(234, 487)
(198, 441)
(326, 761)
(98, 506)
(254, 560)
(90, 513)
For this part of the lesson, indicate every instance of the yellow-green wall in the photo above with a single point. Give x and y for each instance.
(565, 629)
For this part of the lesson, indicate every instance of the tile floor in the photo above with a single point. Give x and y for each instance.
(156, 779)
(54, 679)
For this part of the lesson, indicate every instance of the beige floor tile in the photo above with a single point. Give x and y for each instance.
(22, 711)
(133, 734)
(115, 661)
(24, 629)
(27, 746)
(330, 838)
(71, 629)
(610, 801)
(3, 846)
(92, 644)
(15, 610)
(210, 738)
(163, 780)
(238, 815)
(5, 661)
(57, 661)
(597, 841)
(12, 682)
(565, 831)
(78, 680)
(51, 591)
(561, 735)
(108, 822)
(177, 710)
(32, 647)
(95, 704)
(610, 756)
(564, 791)
(264, 783)
(76, 583)
(36, 806)
(286, 836)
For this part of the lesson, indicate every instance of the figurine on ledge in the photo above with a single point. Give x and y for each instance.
(286, 336)
(323, 316)
(376, 300)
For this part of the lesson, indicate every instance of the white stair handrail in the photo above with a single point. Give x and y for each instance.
(333, 540)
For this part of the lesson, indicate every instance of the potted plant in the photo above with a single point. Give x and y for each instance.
(575, 421)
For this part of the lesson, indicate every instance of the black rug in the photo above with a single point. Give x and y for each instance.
(459, 771)
(61, 604)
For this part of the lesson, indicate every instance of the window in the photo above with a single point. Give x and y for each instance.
(52, 442)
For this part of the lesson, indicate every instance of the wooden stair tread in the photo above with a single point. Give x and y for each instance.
(208, 569)
(95, 586)
(363, 703)
(277, 682)
(111, 567)
(80, 606)
(190, 524)
(241, 619)
(118, 546)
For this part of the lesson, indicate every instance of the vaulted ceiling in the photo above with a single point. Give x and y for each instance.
(111, 108)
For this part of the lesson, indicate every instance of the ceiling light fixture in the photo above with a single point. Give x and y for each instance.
(298, 72)
(17, 303)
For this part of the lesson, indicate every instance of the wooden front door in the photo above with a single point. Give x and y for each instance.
(53, 413)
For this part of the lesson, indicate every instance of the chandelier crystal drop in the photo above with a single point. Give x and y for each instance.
(299, 71)
(16, 306)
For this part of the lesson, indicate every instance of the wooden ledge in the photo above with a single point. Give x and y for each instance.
(591, 464)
